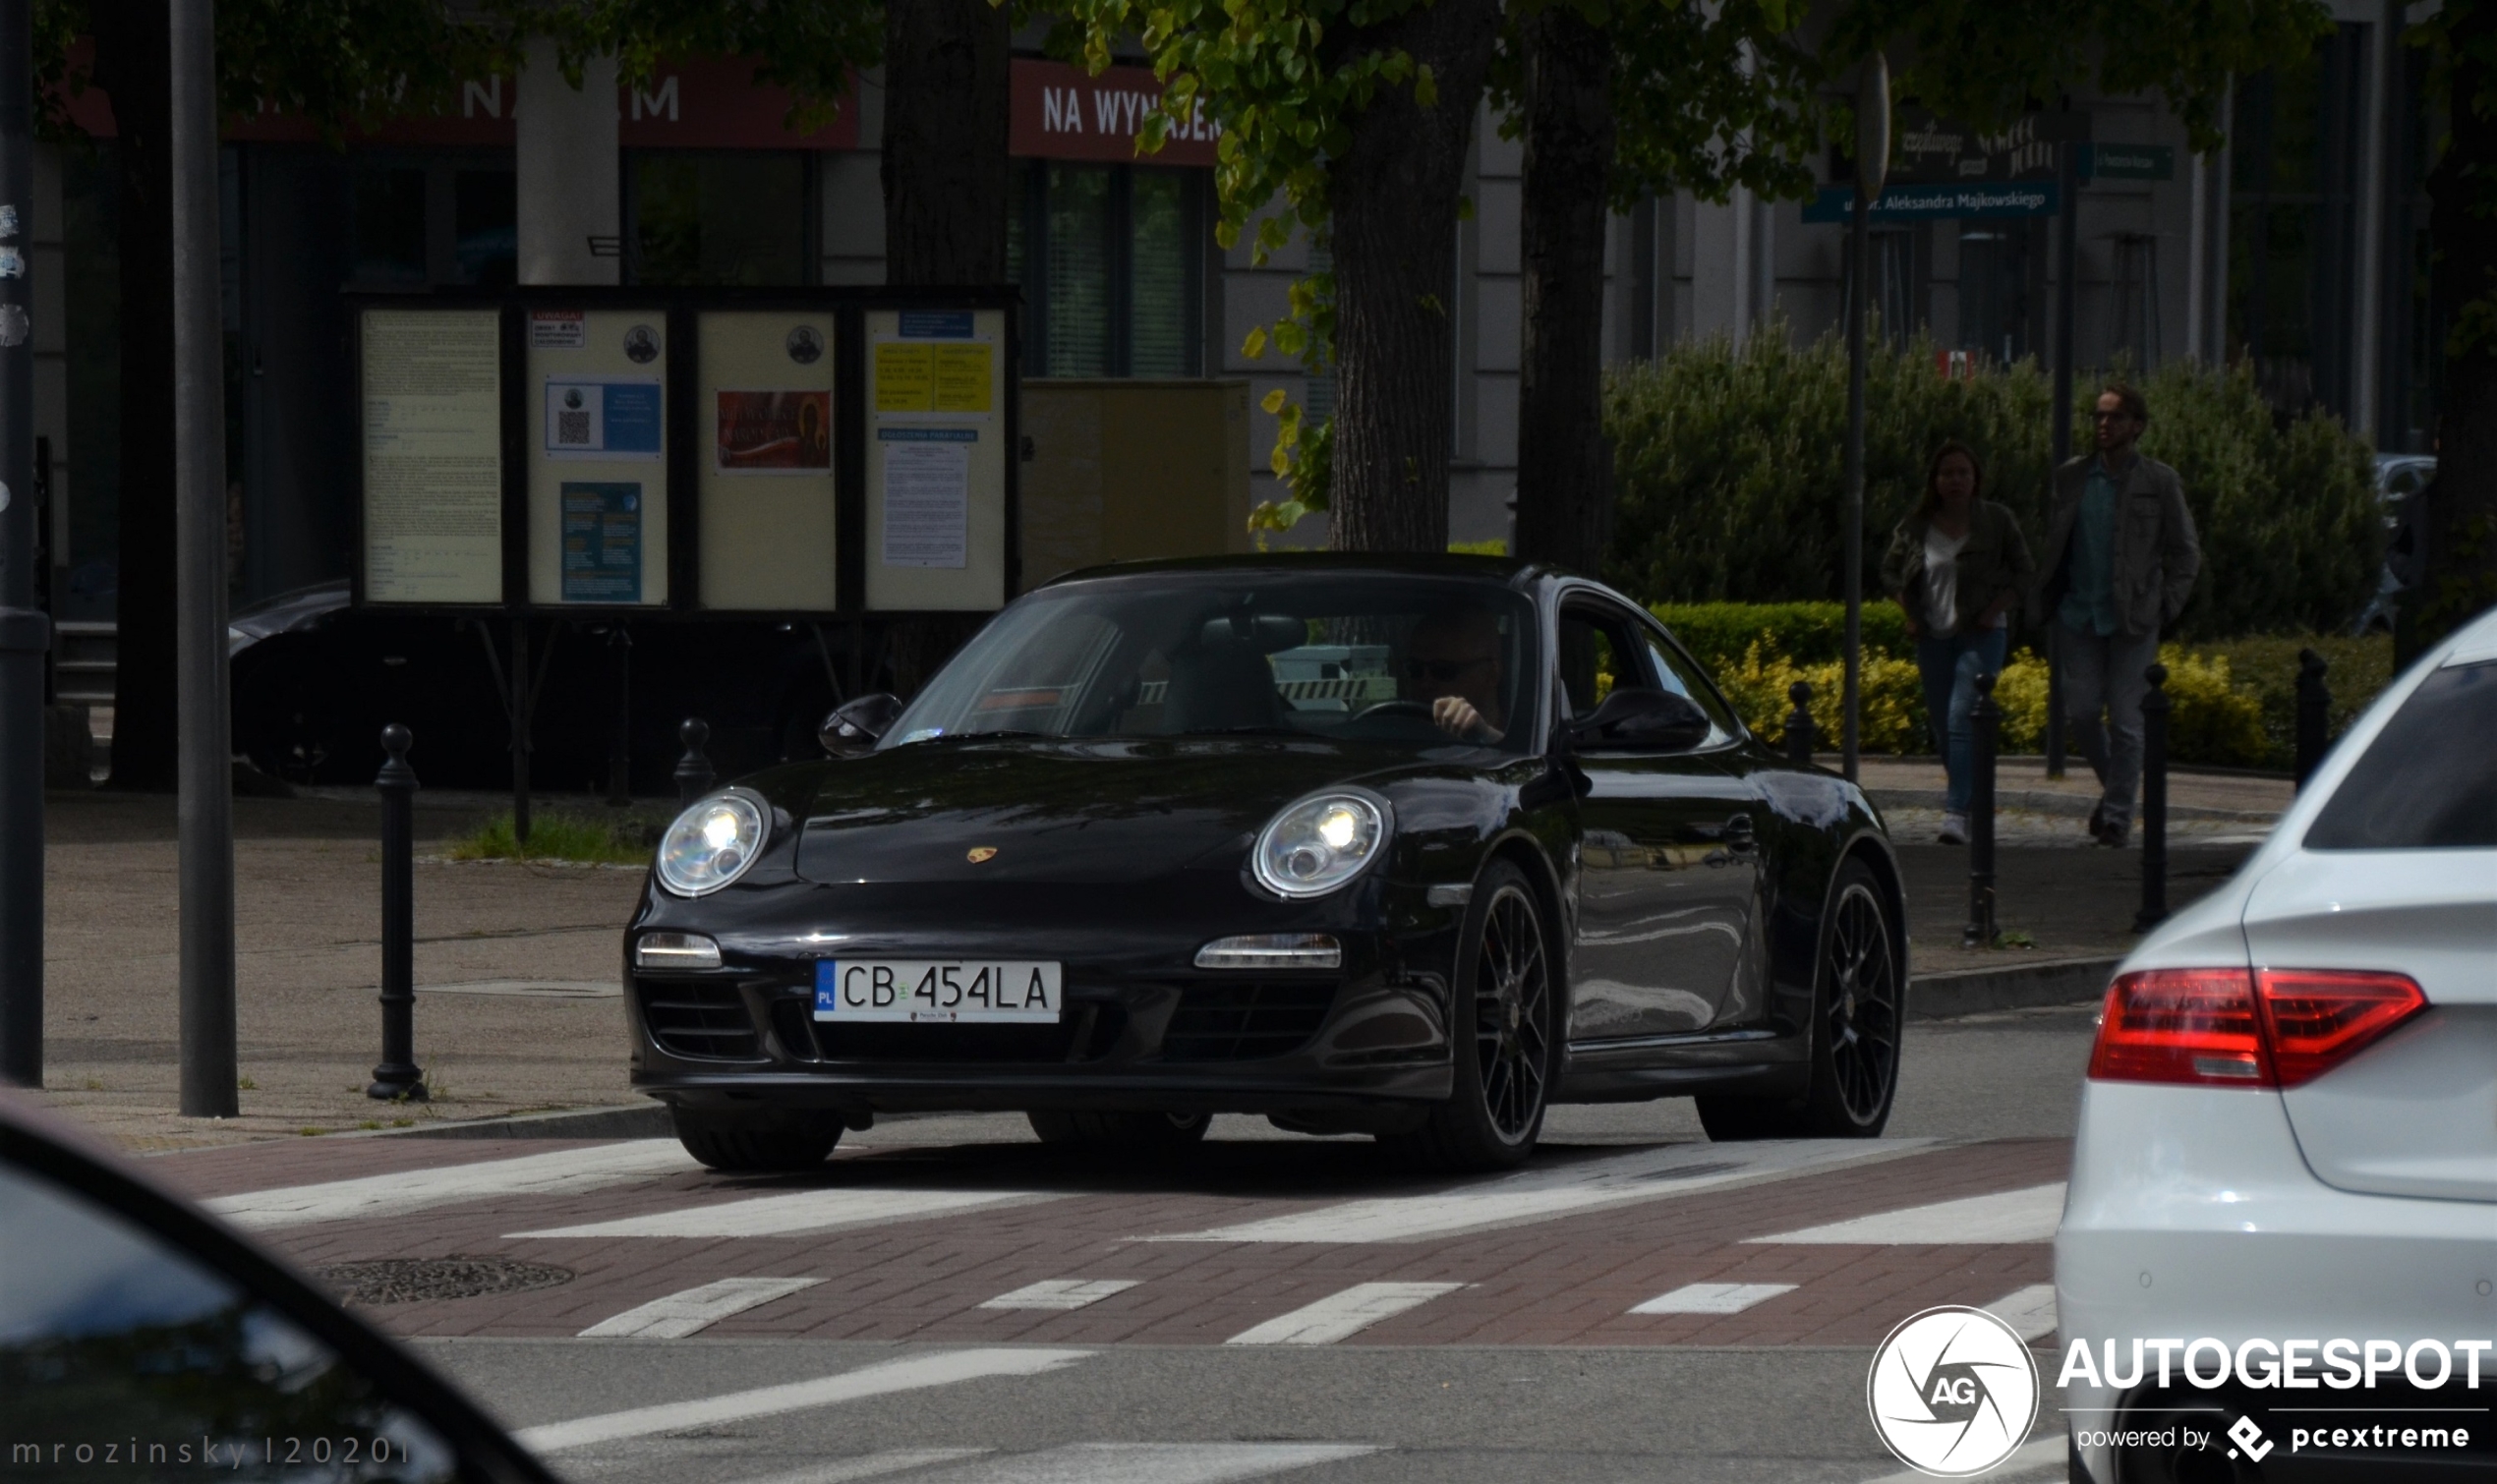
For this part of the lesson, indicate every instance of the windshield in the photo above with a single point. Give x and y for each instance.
(1430, 662)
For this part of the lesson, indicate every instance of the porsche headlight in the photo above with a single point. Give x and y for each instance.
(710, 844)
(1319, 843)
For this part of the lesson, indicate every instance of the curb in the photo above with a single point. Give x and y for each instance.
(649, 1120)
(2077, 806)
(1972, 991)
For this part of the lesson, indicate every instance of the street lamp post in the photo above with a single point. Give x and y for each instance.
(26, 632)
(1872, 165)
(205, 776)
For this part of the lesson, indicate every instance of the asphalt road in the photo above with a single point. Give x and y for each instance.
(1272, 1306)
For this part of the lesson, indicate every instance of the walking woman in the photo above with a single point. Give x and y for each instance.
(1959, 565)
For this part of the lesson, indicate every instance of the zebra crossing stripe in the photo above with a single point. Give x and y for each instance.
(696, 1309)
(2003, 1216)
(563, 1173)
(1340, 1316)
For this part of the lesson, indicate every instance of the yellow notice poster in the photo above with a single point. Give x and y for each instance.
(906, 376)
(962, 376)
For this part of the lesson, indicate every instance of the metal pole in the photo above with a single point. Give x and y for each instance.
(1799, 723)
(2153, 802)
(2314, 714)
(1858, 235)
(26, 632)
(694, 774)
(398, 1076)
(520, 731)
(1984, 721)
(203, 734)
(2067, 279)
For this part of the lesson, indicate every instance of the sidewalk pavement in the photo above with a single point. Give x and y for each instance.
(518, 969)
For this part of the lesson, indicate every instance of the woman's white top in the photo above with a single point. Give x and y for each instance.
(1941, 581)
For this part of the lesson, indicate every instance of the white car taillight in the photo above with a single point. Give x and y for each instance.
(2245, 1028)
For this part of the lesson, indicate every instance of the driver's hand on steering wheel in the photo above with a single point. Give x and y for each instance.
(1456, 716)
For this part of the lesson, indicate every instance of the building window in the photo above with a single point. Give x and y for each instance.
(422, 219)
(1111, 260)
(2415, 331)
(718, 217)
(2292, 223)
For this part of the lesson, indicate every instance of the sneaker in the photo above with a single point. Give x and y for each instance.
(2097, 825)
(2113, 837)
(1954, 830)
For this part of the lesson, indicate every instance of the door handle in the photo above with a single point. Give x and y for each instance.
(1739, 835)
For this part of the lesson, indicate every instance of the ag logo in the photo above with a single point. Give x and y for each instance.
(1954, 1391)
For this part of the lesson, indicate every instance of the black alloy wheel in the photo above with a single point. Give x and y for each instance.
(1855, 1034)
(1137, 1132)
(1503, 1019)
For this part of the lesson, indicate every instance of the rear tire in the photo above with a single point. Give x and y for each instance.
(1860, 1000)
(1501, 1021)
(1140, 1133)
(758, 1151)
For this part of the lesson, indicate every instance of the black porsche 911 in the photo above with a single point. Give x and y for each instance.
(1407, 847)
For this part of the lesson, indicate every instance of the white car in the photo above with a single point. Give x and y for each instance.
(2289, 1135)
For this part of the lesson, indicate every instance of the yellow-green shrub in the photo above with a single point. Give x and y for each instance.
(1891, 714)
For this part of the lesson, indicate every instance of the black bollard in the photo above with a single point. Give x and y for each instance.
(2153, 802)
(1985, 722)
(694, 775)
(1799, 739)
(2314, 714)
(397, 1077)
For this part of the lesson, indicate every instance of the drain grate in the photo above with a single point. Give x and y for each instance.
(406, 1280)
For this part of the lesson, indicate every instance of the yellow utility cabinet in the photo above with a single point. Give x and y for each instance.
(1124, 469)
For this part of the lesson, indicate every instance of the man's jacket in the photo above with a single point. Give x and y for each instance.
(2157, 553)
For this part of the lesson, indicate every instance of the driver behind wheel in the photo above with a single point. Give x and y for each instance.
(1453, 666)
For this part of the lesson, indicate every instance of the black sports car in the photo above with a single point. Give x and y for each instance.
(1406, 846)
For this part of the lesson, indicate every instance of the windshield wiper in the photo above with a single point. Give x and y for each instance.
(1241, 731)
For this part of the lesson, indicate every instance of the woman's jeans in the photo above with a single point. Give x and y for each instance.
(1950, 667)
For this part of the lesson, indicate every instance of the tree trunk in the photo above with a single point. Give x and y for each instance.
(948, 192)
(2461, 575)
(133, 61)
(1564, 464)
(1393, 202)
(944, 170)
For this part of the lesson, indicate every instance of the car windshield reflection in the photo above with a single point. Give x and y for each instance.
(1413, 660)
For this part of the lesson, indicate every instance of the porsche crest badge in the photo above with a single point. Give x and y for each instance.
(979, 853)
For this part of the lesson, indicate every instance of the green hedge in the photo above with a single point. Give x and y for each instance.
(1729, 463)
(1809, 633)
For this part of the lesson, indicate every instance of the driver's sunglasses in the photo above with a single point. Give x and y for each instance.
(1442, 670)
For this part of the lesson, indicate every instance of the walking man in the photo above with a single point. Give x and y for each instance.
(2120, 560)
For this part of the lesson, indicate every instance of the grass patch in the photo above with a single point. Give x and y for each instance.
(622, 840)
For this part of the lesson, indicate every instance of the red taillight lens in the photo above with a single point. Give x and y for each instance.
(2316, 1019)
(2242, 1028)
(2182, 1025)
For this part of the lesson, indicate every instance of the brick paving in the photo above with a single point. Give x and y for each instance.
(1566, 1281)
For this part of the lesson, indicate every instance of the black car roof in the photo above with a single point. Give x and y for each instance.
(1511, 571)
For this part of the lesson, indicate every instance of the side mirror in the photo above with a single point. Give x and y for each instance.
(1641, 719)
(853, 729)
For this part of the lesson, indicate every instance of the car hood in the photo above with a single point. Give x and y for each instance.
(1096, 813)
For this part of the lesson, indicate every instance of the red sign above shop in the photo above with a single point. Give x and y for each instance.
(1060, 112)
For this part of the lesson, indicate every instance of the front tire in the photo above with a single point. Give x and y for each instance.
(1501, 1019)
(1859, 1002)
(1137, 1132)
(780, 1150)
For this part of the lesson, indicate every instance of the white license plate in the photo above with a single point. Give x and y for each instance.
(936, 989)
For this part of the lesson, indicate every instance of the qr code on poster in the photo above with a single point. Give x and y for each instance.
(572, 428)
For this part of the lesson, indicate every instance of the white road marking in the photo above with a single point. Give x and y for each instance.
(1153, 1462)
(1713, 1298)
(1542, 1195)
(564, 1173)
(870, 1466)
(2030, 1312)
(1061, 1293)
(806, 1211)
(1339, 1316)
(2008, 1215)
(2031, 1461)
(915, 1374)
(696, 1309)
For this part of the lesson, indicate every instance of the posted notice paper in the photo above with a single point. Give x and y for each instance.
(433, 456)
(927, 514)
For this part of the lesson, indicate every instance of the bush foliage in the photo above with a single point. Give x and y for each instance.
(1729, 466)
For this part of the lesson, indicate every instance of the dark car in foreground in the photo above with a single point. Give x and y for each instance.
(1407, 847)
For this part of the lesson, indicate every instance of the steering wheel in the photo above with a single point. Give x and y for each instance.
(1398, 707)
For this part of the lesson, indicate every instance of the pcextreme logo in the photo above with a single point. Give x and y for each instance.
(1954, 1391)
